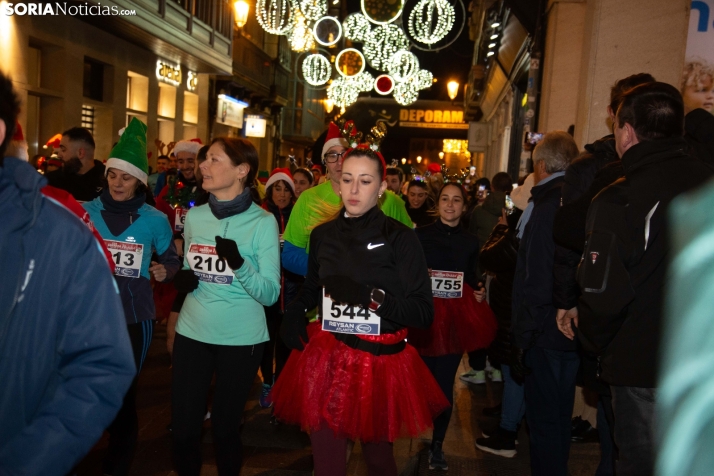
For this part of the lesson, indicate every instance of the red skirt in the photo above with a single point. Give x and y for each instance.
(357, 394)
(460, 325)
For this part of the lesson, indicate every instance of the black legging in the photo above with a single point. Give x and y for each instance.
(443, 368)
(275, 347)
(124, 430)
(194, 364)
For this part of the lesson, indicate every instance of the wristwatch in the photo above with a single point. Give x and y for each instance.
(377, 299)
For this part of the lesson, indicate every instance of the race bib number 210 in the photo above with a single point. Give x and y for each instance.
(205, 264)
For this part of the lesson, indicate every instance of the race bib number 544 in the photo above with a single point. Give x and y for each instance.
(204, 262)
(348, 319)
(127, 257)
(447, 284)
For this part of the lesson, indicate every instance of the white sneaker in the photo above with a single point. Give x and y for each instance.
(474, 376)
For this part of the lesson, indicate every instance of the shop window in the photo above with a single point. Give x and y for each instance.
(167, 101)
(190, 131)
(93, 84)
(166, 131)
(137, 92)
(34, 59)
(190, 107)
(88, 118)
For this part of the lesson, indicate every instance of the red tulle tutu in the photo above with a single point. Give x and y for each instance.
(460, 325)
(357, 394)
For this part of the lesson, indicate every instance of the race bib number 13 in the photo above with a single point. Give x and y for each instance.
(204, 262)
(447, 284)
(348, 319)
(127, 257)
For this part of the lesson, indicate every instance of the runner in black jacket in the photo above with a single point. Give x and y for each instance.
(462, 321)
(350, 385)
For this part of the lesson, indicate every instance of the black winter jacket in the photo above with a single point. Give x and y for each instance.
(421, 216)
(289, 282)
(498, 257)
(533, 304)
(376, 251)
(449, 248)
(622, 273)
(84, 188)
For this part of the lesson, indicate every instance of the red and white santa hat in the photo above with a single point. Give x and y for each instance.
(192, 146)
(281, 174)
(334, 137)
(17, 147)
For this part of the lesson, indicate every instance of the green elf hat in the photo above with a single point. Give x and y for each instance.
(129, 155)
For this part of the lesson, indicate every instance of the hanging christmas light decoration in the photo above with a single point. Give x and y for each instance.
(423, 79)
(327, 31)
(356, 27)
(316, 69)
(300, 36)
(384, 84)
(403, 65)
(343, 92)
(275, 16)
(313, 9)
(382, 12)
(431, 20)
(383, 42)
(405, 93)
(363, 81)
(349, 62)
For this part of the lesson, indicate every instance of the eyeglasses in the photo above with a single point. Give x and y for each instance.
(332, 157)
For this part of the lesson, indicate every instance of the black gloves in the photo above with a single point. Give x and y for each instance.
(519, 370)
(228, 250)
(347, 291)
(293, 330)
(185, 281)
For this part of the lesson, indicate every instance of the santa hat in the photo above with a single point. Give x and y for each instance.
(129, 155)
(333, 138)
(54, 141)
(55, 161)
(316, 167)
(17, 147)
(281, 174)
(522, 194)
(192, 146)
(434, 168)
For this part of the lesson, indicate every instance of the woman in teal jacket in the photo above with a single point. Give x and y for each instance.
(231, 270)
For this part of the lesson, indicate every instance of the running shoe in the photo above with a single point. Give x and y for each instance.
(474, 376)
(264, 401)
(501, 443)
(437, 460)
(496, 375)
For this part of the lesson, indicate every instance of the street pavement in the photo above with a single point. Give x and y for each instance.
(283, 450)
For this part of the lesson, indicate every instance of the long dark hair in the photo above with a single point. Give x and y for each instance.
(240, 151)
(269, 192)
(435, 210)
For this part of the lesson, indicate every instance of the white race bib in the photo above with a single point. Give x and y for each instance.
(447, 284)
(204, 262)
(127, 257)
(348, 319)
(179, 218)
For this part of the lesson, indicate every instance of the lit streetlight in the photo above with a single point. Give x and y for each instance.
(419, 159)
(441, 154)
(404, 160)
(241, 12)
(453, 89)
(329, 105)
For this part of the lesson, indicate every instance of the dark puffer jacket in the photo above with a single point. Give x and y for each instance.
(290, 283)
(498, 257)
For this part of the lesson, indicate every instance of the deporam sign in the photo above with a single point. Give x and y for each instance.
(432, 119)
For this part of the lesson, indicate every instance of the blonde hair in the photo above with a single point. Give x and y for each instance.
(557, 149)
(694, 72)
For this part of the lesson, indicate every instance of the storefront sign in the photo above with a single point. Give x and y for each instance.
(168, 73)
(192, 81)
(432, 119)
(255, 126)
(230, 111)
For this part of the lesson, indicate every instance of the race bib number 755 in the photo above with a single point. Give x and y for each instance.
(204, 262)
(348, 319)
(447, 284)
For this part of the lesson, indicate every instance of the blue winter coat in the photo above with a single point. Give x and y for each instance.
(65, 357)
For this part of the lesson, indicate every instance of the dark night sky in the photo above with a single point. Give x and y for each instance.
(453, 62)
